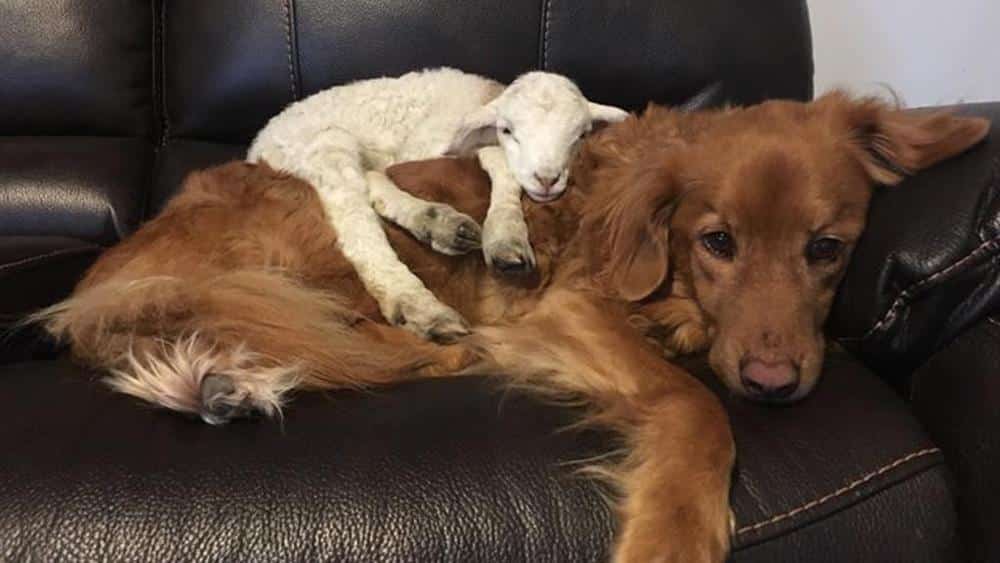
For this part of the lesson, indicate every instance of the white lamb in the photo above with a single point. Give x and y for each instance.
(342, 139)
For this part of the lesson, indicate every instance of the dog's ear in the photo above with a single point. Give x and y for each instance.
(629, 231)
(891, 143)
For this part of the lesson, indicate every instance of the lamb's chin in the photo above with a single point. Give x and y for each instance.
(544, 198)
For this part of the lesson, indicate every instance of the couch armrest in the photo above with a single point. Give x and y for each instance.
(955, 395)
(926, 268)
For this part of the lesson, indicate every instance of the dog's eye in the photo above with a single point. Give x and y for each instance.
(720, 244)
(506, 131)
(824, 249)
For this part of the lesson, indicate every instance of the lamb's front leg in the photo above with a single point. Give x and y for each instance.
(442, 227)
(332, 164)
(402, 297)
(505, 233)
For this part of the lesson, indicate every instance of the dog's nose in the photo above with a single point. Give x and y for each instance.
(546, 182)
(769, 381)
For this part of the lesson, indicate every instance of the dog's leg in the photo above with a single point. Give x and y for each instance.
(192, 374)
(332, 164)
(505, 233)
(675, 477)
(437, 224)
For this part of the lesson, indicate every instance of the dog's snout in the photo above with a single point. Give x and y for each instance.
(546, 182)
(769, 381)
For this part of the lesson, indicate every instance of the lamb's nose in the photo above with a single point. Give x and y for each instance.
(546, 183)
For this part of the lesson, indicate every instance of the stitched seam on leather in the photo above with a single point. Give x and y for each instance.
(40, 257)
(165, 134)
(154, 72)
(839, 492)
(904, 296)
(288, 48)
(545, 34)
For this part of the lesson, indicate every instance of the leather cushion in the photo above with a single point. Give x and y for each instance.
(956, 394)
(811, 476)
(666, 51)
(36, 272)
(223, 87)
(88, 188)
(76, 68)
(925, 269)
(441, 470)
(225, 67)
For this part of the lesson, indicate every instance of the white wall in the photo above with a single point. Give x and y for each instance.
(929, 51)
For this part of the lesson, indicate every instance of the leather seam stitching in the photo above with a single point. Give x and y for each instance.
(154, 70)
(165, 134)
(545, 34)
(904, 296)
(288, 48)
(40, 257)
(839, 492)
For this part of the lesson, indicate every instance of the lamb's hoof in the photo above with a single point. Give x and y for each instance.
(431, 320)
(511, 257)
(448, 231)
(221, 401)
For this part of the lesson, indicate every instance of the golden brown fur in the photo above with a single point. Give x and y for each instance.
(240, 276)
(774, 178)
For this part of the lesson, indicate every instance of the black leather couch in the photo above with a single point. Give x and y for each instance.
(105, 106)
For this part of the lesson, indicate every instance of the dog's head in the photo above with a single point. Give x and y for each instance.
(753, 214)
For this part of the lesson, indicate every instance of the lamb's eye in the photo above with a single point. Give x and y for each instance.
(719, 243)
(824, 249)
(506, 131)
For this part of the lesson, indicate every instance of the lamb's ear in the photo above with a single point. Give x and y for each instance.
(478, 129)
(631, 231)
(891, 143)
(606, 114)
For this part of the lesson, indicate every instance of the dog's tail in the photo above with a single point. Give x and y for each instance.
(230, 343)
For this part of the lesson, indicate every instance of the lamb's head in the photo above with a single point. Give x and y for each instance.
(538, 120)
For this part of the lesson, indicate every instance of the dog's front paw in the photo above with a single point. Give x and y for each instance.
(506, 246)
(428, 318)
(447, 230)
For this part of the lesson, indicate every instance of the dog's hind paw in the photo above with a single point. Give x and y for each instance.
(221, 401)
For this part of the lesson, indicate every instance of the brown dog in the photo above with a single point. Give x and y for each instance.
(723, 230)
(763, 207)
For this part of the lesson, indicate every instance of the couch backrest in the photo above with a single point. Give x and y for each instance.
(105, 106)
(229, 66)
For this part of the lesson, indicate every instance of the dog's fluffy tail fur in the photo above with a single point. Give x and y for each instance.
(223, 345)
